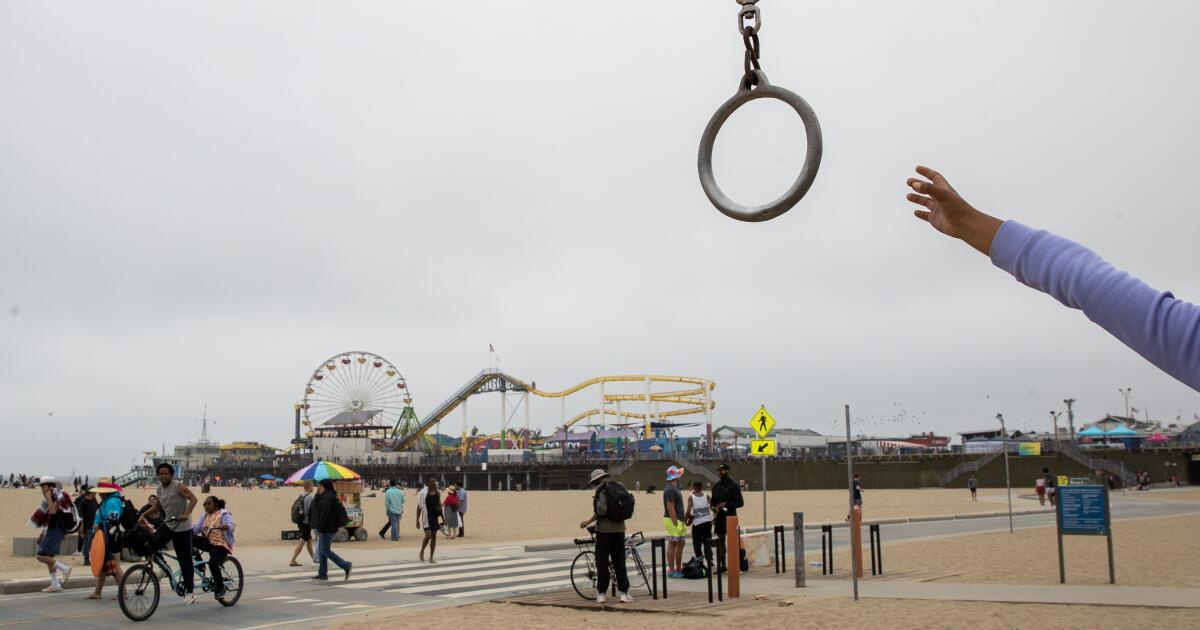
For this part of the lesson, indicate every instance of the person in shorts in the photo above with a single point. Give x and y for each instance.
(674, 520)
(305, 525)
(1039, 486)
(53, 517)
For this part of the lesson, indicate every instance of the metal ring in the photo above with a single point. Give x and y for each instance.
(808, 172)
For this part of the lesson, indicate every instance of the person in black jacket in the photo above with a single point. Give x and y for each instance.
(328, 516)
(726, 499)
(87, 507)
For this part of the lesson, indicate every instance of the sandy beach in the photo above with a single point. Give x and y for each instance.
(508, 517)
(823, 613)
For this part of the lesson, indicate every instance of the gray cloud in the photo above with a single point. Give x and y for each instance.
(200, 203)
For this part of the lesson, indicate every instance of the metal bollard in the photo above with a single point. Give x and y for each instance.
(657, 546)
(827, 545)
(780, 550)
(798, 543)
(876, 550)
(713, 571)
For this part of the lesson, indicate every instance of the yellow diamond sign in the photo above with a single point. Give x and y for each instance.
(763, 448)
(762, 422)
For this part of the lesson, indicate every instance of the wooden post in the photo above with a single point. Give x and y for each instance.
(733, 561)
(856, 540)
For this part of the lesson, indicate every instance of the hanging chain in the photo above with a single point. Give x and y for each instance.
(749, 21)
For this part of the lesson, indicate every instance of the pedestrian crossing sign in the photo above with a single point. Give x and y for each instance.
(762, 422)
(763, 448)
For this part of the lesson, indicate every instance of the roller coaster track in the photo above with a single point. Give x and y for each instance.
(496, 381)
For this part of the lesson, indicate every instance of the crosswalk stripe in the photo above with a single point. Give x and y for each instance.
(508, 566)
(507, 589)
(303, 601)
(277, 598)
(330, 604)
(386, 567)
(450, 577)
(354, 607)
(472, 583)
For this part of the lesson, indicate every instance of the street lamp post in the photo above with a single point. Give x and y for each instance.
(1125, 392)
(1007, 482)
(1070, 417)
(1054, 419)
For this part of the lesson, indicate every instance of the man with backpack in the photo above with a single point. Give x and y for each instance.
(612, 505)
(302, 517)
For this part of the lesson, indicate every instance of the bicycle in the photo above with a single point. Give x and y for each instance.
(584, 574)
(139, 591)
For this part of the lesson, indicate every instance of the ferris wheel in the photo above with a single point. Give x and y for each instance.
(355, 389)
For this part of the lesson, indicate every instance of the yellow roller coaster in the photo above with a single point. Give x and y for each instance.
(695, 400)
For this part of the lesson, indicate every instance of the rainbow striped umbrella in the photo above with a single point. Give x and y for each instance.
(322, 470)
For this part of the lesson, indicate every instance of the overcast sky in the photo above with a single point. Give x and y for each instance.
(200, 202)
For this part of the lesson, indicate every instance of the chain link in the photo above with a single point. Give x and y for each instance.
(749, 21)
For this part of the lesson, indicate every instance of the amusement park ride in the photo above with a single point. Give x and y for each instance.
(363, 394)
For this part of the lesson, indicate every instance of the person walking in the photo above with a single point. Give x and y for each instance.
(429, 515)
(393, 504)
(87, 506)
(450, 512)
(214, 534)
(1162, 329)
(462, 508)
(328, 516)
(973, 485)
(177, 503)
(610, 537)
(106, 523)
(858, 491)
(54, 517)
(1051, 486)
(674, 521)
(302, 517)
(700, 517)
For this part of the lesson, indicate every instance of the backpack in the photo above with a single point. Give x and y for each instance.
(298, 510)
(620, 501)
(695, 569)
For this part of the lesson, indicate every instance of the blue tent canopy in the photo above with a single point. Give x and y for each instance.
(1091, 431)
(1120, 429)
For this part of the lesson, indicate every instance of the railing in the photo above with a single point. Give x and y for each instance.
(966, 467)
(1097, 463)
(696, 467)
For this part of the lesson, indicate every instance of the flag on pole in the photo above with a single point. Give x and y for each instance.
(490, 348)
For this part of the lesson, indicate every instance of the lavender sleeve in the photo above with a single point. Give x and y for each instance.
(1164, 330)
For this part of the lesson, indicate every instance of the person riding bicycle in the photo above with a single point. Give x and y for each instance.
(214, 534)
(177, 503)
(610, 539)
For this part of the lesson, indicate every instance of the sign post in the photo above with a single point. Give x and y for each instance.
(763, 447)
(1083, 510)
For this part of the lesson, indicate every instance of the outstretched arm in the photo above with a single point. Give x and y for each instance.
(1164, 330)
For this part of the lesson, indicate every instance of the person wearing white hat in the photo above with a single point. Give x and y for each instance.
(610, 535)
(54, 517)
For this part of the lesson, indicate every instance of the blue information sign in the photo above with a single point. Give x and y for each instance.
(1083, 510)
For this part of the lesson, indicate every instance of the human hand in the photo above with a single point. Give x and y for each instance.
(583, 524)
(949, 213)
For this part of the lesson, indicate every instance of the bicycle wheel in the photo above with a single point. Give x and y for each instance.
(231, 578)
(640, 577)
(138, 592)
(583, 574)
